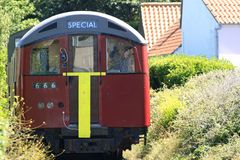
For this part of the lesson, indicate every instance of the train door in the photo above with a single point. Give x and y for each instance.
(43, 86)
(83, 58)
(122, 88)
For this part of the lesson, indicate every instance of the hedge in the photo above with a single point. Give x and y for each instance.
(175, 70)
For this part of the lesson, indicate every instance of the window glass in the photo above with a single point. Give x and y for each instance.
(120, 56)
(83, 53)
(45, 58)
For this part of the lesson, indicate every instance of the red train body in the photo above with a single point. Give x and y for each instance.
(82, 42)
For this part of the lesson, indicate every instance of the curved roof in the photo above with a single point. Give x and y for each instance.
(77, 22)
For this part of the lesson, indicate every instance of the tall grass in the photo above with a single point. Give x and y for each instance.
(4, 123)
(18, 141)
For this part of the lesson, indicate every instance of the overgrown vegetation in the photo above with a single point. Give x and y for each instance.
(205, 126)
(3, 103)
(16, 139)
(175, 70)
(20, 142)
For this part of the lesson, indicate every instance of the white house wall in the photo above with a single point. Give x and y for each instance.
(199, 29)
(229, 43)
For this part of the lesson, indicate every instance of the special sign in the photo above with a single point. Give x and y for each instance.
(82, 24)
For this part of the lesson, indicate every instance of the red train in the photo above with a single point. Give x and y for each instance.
(85, 81)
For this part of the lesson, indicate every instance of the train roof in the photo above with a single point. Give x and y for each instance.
(85, 22)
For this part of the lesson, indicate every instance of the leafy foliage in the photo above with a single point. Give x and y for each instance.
(164, 108)
(13, 17)
(3, 131)
(128, 11)
(3, 76)
(230, 150)
(18, 11)
(175, 70)
(4, 29)
(212, 115)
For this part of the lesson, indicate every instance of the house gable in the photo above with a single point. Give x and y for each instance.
(158, 20)
(169, 42)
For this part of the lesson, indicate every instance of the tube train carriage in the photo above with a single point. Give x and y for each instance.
(85, 82)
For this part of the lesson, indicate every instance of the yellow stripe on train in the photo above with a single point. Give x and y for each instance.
(84, 101)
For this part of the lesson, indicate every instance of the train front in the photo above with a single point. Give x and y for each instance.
(84, 78)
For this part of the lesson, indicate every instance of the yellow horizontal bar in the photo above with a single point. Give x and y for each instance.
(84, 73)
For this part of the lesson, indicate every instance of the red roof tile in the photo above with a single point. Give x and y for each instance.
(225, 11)
(158, 19)
(169, 42)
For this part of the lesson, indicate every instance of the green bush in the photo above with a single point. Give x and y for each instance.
(211, 117)
(175, 70)
(3, 131)
(164, 108)
(3, 89)
(230, 150)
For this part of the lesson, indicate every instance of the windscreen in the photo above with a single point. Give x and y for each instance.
(45, 58)
(120, 56)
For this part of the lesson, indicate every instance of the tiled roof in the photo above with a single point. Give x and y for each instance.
(169, 42)
(225, 11)
(157, 19)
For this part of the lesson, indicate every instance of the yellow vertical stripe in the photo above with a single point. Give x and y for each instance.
(84, 101)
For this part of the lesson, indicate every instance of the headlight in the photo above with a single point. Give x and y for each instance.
(60, 104)
(50, 105)
(41, 105)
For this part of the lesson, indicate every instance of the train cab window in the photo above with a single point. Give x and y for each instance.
(119, 56)
(45, 58)
(84, 49)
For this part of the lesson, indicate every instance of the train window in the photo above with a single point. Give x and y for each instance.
(45, 58)
(120, 56)
(49, 27)
(114, 26)
(83, 53)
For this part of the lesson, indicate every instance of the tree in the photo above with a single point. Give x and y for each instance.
(13, 18)
(127, 11)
